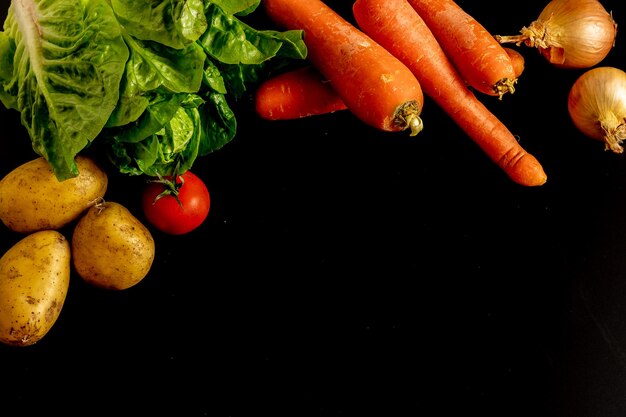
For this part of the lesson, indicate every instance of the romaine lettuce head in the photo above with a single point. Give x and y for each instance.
(150, 79)
(62, 62)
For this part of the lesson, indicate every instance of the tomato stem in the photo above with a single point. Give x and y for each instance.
(171, 187)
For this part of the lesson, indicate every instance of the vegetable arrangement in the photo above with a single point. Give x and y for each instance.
(304, 92)
(148, 84)
(110, 248)
(452, 56)
(397, 26)
(374, 84)
(91, 74)
(475, 53)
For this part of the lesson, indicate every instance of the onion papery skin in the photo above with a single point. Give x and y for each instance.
(597, 106)
(570, 33)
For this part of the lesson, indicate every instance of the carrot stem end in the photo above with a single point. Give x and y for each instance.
(407, 117)
(503, 86)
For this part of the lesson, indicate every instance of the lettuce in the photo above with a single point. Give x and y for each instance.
(61, 69)
(150, 82)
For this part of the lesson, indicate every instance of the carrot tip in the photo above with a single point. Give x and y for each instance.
(527, 171)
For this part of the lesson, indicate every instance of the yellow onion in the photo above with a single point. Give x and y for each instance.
(570, 33)
(597, 105)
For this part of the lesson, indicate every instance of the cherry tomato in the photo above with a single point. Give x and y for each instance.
(176, 208)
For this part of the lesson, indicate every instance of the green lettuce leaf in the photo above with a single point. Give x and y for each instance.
(168, 135)
(174, 23)
(68, 59)
(154, 67)
(230, 41)
(237, 7)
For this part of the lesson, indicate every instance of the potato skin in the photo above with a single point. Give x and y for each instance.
(111, 248)
(32, 198)
(34, 281)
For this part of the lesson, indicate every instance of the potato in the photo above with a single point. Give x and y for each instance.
(32, 198)
(34, 280)
(111, 248)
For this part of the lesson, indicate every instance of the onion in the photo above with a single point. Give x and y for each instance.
(597, 105)
(570, 33)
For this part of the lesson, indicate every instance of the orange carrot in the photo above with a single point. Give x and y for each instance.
(517, 59)
(305, 92)
(295, 94)
(377, 88)
(396, 26)
(475, 53)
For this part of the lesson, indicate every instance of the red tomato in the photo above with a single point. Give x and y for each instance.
(167, 214)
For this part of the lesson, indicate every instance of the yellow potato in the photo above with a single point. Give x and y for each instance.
(111, 248)
(34, 280)
(32, 198)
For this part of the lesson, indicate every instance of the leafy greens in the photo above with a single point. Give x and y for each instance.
(149, 80)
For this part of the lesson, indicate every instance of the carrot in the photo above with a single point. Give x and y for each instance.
(297, 93)
(375, 86)
(396, 26)
(517, 59)
(304, 92)
(474, 52)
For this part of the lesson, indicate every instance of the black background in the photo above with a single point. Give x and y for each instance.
(344, 271)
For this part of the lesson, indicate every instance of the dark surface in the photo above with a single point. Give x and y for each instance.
(347, 272)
